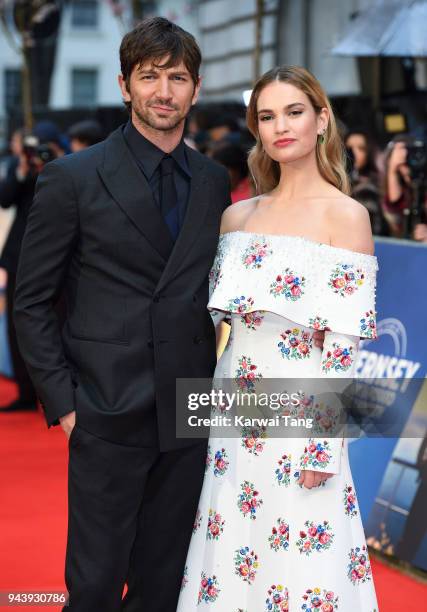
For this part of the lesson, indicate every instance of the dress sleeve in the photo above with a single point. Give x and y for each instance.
(338, 361)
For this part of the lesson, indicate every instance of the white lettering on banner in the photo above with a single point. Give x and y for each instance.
(374, 365)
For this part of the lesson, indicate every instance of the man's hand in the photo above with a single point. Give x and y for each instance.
(311, 478)
(68, 422)
(319, 339)
(420, 232)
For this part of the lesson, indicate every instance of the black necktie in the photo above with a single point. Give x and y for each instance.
(168, 196)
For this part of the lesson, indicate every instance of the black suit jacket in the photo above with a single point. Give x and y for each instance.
(136, 302)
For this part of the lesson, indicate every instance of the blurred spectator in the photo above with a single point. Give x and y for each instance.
(84, 134)
(224, 128)
(235, 160)
(399, 191)
(365, 177)
(17, 190)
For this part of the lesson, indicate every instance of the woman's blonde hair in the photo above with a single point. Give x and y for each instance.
(330, 151)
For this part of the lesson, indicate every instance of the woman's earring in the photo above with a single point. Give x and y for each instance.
(322, 137)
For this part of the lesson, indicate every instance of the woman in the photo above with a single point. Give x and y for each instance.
(278, 526)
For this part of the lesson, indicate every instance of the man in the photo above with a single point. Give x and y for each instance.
(128, 229)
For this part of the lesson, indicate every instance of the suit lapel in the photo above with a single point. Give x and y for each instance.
(197, 207)
(129, 188)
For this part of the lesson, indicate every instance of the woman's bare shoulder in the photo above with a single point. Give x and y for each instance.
(234, 216)
(350, 225)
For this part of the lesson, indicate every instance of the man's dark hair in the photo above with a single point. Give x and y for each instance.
(155, 38)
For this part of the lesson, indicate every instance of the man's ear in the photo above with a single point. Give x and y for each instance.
(123, 88)
(196, 91)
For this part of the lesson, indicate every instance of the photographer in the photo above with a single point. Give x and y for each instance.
(404, 203)
(17, 189)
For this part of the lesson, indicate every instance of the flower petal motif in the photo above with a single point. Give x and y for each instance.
(319, 600)
(246, 564)
(345, 279)
(208, 590)
(289, 285)
(315, 537)
(359, 567)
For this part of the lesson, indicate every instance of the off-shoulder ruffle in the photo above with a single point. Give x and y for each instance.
(314, 284)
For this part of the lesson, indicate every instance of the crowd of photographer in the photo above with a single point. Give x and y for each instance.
(18, 176)
(390, 183)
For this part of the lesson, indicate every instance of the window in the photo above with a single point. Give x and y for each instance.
(12, 88)
(84, 87)
(84, 13)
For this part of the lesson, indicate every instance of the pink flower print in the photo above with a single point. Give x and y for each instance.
(283, 472)
(278, 599)
(208, 590)
(246, 564)
(368, 326)
(215, 525)
(315, 599)
(318, 537)
(290, 285)
(248, 501)
(220, 462)
(255, 254)
(339, 360)
(345, 279)
(316, 454)
(359, 568)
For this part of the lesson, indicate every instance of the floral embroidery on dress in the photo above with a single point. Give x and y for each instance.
(248, 501)
(254, 254)
(345, 280)
(253, 319)
(339, 359)
(316, 454)
(368, 326)
(316, 537)
(279, 538)
(318, 323)
(315, 601)
(326, 418)
(240, 304)
(215, 525)
(246, 564)
(350, 501)
(245, 374)
(208, 591)
(289, 285)
(208, 458)
(278, 599)
(184, 581)
(252, 439)
(296, 343)
(197, 521)
(220, 462)
(283, 472)
(359, 568)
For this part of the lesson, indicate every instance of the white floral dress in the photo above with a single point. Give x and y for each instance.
(260, 540)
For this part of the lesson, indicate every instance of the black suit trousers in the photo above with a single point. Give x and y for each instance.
(131, 514)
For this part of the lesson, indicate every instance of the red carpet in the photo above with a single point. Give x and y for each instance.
(33, 515)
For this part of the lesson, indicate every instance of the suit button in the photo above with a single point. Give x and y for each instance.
(156, 299)
(197, 340)
(150, 344)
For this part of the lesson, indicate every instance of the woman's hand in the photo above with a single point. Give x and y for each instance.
(312, 478)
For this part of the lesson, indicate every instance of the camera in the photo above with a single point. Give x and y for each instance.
(417, 159)
(37, 154)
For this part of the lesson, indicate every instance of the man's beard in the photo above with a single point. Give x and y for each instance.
(146, 118)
